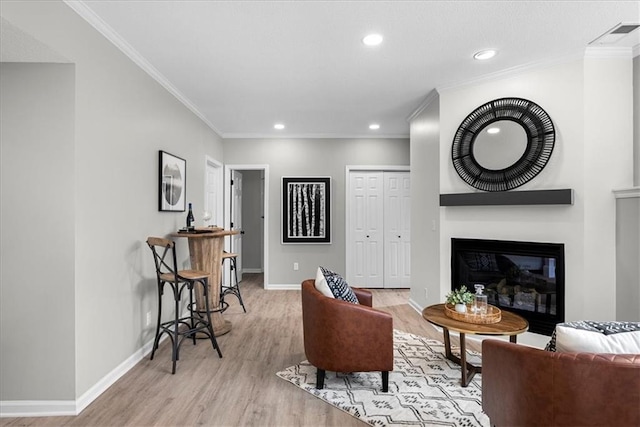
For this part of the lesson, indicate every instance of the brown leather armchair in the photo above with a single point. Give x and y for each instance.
(525, 386)
(343, 337)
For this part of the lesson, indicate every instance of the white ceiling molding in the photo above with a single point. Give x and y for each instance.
(514, 71)
(431, 96)
(627, 193)
(312, 136)
(103, 28)
(246, 65)
(609, 52)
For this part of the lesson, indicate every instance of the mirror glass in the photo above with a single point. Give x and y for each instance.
(500, 145)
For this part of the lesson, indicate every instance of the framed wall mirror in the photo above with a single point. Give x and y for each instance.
(503, 144)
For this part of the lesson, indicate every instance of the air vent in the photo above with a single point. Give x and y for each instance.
(624, 28)
(615, 34)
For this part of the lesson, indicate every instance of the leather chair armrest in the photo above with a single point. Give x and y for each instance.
(516, 384)
(365, 297)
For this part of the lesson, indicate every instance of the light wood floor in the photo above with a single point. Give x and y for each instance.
(241, 389)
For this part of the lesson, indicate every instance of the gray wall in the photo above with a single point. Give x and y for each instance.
(37, 308)
(252, 222)
(636, 120)
(311, 157)
(627, 256)
(425, 204)
(107, 283)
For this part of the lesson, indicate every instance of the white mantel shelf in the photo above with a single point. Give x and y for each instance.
(627, 193)
(509, 198)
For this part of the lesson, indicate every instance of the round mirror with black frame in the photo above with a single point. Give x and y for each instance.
(484, 159)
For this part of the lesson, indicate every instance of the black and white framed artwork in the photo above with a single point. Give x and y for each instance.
(306, 210)
(173, 183)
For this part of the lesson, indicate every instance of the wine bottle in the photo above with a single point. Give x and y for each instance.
(190, 219)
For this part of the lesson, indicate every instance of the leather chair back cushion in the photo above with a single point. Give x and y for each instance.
(530, 387)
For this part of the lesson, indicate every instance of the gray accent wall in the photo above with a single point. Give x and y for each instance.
(252, 221)
(627, 258)
(425, 204)
(80, 200)
(636, 120)
(37, 279)
(311, 157)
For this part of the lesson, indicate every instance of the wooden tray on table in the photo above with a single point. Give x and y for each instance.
(494, 315)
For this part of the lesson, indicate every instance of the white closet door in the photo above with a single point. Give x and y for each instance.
(397, 240)
(366, 257)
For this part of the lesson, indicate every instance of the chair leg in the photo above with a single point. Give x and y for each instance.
(320, 378)
(191, 314)
(237, 289)
(174, 355)
(212, 336)
(385, 381)
(156, 341)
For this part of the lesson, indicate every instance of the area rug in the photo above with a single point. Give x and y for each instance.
(424, 388)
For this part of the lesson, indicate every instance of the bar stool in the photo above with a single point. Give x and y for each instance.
(233, 288)
(197, 319)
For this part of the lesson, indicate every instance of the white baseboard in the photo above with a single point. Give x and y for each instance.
(252, 270)
(57, 408)
(417, 307)
(283, 287)
(37, 408)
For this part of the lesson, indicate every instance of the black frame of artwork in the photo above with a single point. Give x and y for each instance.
(312, 196)
(177, 166)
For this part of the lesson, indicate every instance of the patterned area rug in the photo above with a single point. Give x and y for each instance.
(424, 388)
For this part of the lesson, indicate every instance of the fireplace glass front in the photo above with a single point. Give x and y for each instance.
(526, 278)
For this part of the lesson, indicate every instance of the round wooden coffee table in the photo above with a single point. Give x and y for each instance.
(511, 324)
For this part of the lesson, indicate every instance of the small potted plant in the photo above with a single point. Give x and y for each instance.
(459, 298)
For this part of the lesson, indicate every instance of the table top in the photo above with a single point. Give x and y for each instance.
(206, 233)
(510, 324)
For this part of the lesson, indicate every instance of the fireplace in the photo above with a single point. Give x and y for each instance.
(526, 278)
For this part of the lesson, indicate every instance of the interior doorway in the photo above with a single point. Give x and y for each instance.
(246, 201)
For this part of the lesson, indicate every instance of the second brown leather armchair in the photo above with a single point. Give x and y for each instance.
(343, 337)
(525, 386)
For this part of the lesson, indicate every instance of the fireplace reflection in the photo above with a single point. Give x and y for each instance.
(524, 277)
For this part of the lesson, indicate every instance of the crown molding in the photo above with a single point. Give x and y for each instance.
(514, 71)
(431, 96)
(110, 34)
(609, 52)
(627, 193)
(311, 136)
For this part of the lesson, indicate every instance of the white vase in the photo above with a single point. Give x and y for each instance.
(461, 308)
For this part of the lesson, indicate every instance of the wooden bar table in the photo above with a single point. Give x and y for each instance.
(206, 245)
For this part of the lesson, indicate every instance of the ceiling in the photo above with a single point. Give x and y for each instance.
(243, 66)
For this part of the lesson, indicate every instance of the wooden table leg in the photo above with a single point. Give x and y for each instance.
(468, 370)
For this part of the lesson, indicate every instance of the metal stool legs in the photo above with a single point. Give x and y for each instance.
(196, 320)
(233, 288)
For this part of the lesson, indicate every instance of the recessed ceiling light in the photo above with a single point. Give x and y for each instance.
(372, 40)
(493, 130)
(374, 126)
(278, 126)
(485, 54)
